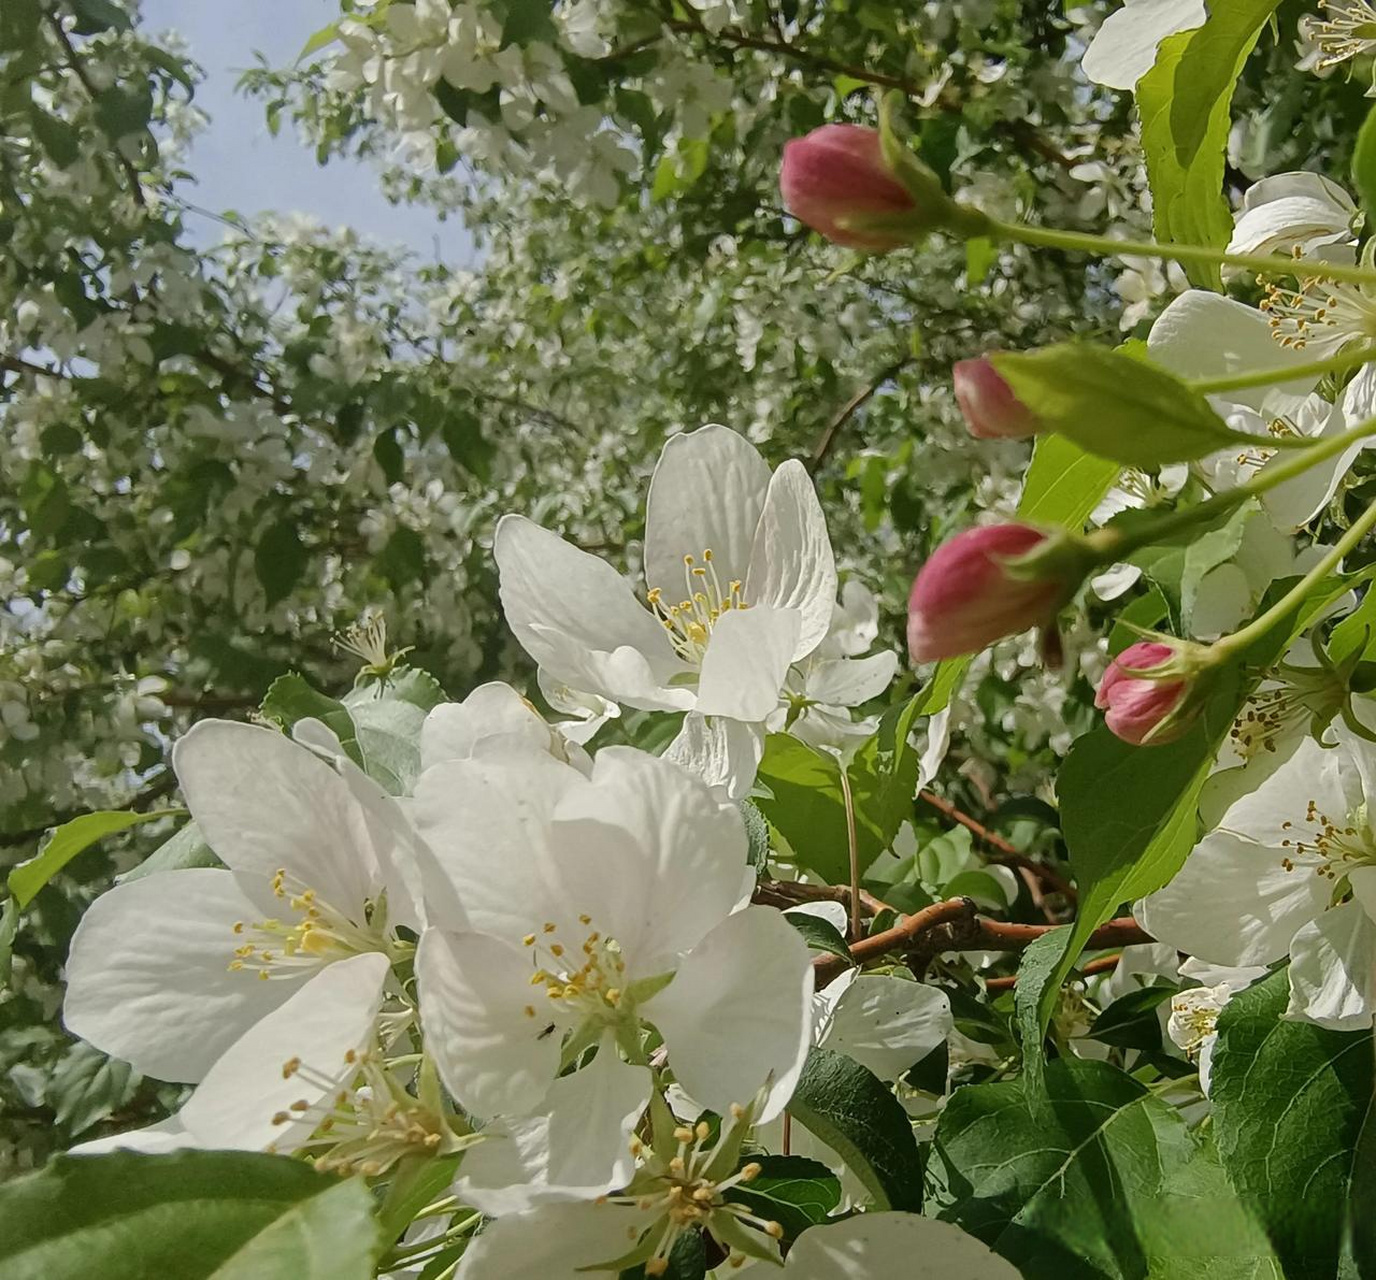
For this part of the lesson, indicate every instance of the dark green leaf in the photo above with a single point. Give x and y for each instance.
(402, 561)
(388, 455)
(87, 1086)
(856, 1115)
(687, 1260)
(280, 559)
(1114, 406)
(191, 1215)
(1034, 1000)
(792, 1191)
(819, 934)
(1132, 1021)
(70, 839)
(95, 16)
(1289, 1101)
(291, 698)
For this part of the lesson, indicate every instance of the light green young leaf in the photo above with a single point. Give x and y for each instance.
(1185, 102)
(70, 839)
(195, 1215)
(1114, 406)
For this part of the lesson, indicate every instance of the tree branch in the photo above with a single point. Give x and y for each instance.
(852, 406)
(1103, 964)
(955, 925)
(792, 893)
(17, 364)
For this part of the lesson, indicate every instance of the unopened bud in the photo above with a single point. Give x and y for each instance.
(991, 410)
(1146, 692)
(988, 583)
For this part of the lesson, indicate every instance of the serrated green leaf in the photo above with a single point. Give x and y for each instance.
(192, 1215)
(87, 1086)
(1075, 1184)
(291, 698)
(1289, 1101)
(1034, 1001)
(70, 839)
(1185, 102)
(819, 934)
(1114, 406)
(856, 1115)
(757, 832)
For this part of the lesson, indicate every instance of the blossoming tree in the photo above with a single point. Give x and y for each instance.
(472, 806)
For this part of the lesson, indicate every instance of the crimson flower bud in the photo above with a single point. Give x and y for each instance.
(835, 179)
(980, 587)
(1144, 692)
(992, 411)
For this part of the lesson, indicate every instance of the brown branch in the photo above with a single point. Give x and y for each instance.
(1102, 965)
(17, 364)
(1004, 851)
(955, 925)
(852, 406)
(790, 893)
(74, 63)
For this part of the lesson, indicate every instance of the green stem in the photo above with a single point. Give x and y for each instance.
(434, 1245)
(1230, 646)
(1114, 544)
(1268, 377)
(1263, 263)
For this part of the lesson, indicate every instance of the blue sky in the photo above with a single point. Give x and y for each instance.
(240, 166)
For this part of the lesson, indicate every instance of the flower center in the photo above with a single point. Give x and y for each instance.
(581, 981)
(365, 1126)
(1319, 311)
(317, 935)
(684, 1193)
(1272, 714)
(1194, 1017)
(689, 623)
(1340, 846)
(1347, 30)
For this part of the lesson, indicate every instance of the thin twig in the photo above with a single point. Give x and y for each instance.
(17, 364)
(955, 925)
(1101, 965)
(792, 893)
(852, 406)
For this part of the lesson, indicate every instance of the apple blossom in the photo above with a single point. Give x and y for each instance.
(168, 971)
(837, 181)
(595, 904)
(1193, 1020)
(987, 402)
(1304, 214)
(1290, 868)
(966, 595)
(1346, 30)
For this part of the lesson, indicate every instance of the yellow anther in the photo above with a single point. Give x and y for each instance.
(550, 926)
(584, 919)
(613, 996)
(703, 1130)
(707, 555)
(774, 1229)
(351, 1056)
(530, 1011)
(751, 1172)
(683, 1133)
(300, 1105)
(281, 1117)
(238, 926)
(656, 1266)
(688, 560)
(290, 1067)
(262, 975)
(556, 949)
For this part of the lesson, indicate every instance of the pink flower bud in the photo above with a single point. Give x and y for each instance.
(835, 177)
(992, 411)
(964, 598)
(1143, 707)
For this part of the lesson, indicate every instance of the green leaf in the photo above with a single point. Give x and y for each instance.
(792, 1191)
(856, 1114)
(95, 16)
(9, 928)
(1074, 1185)
(687, 1260)
(192, 1215)
(757, 832)
(402, 561)
(388, 715)
(60, 142)
(1113, 405)
(1185, 102)
(70, 839)
(327, 35)
(185, 849)
(1034, 1001)
(87, 1086)
(1177, 567)
(120, 111)
(416, 1182)
(291, 698)
(1131, 1021)
(819, 934)
(1364, 163)
(279, 560)
(1064, 483)
(1289, 1100)
(388, 455)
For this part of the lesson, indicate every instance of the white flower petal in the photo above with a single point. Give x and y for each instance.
(724, 753)
(1205, 335)
(485, 824)
(791, 561)
(328, 1019)
(747, 661)
(264, 803)
(576, 1148)
(650, 854)
(577, 617)
(1333, 970)
(872, 1245)
(554, 1242)
(148, 976)
(493, 721)
(847, 682)
(1276, 813)
(888, 1024)
(1233, 903)
(706, 494)
(1124, 48)
(492, 1056)
(737, 1013)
